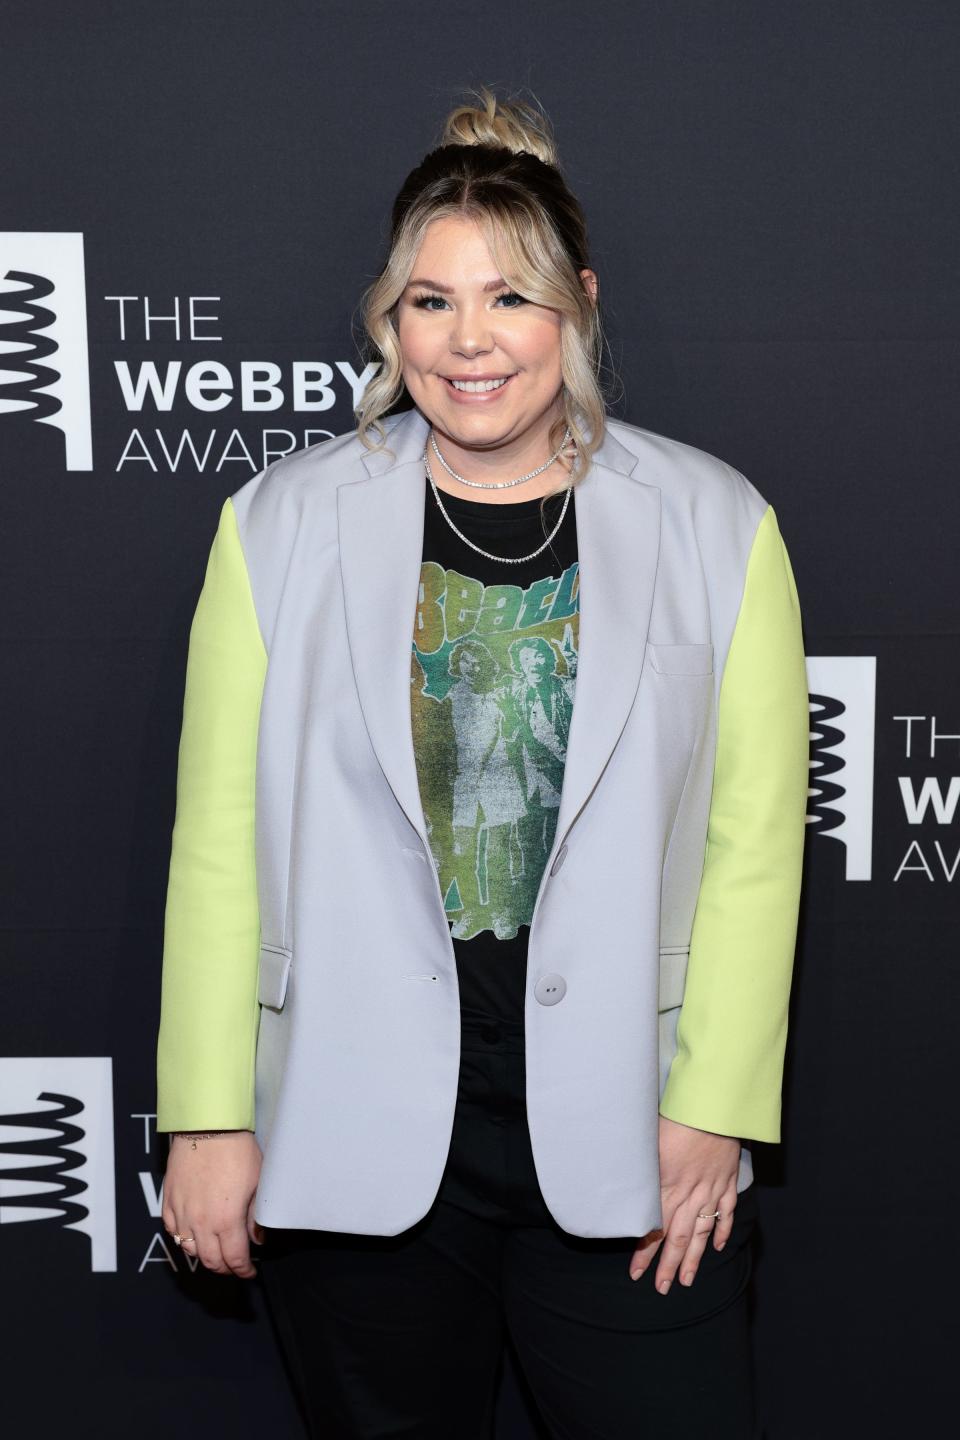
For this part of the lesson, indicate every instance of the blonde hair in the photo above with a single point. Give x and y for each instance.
(497, 164)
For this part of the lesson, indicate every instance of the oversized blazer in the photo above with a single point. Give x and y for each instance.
(309, 986)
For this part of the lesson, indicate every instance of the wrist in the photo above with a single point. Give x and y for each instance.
(194, 1135)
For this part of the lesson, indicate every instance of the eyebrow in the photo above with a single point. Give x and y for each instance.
(448, 289)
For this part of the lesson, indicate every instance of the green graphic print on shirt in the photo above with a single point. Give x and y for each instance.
(492, 679)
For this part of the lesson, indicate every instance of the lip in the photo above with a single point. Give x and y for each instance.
(476, 397)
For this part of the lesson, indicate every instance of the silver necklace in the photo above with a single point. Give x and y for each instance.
(504, 559)
(498, 484)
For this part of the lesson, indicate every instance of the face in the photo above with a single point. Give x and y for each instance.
(460, 328)
(533, 664)
(469, 665)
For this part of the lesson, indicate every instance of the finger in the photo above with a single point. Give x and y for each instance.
(727, 1205)
(208, 1250)
(685, 1242)
(675, 1245)
(690, 1263)
(188, 1245)
(235, 1249)
(643, 1255)
(176, 1227)
(668, 1209)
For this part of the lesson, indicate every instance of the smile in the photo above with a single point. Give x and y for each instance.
(474, 388)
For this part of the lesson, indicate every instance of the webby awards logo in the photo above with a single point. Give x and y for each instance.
(921, 748)
(193, 409)
(843, 690)
(56, 1149)
(44, 366)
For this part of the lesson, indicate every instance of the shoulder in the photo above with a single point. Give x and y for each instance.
(710, 514)
(692, 481)
(308, 475)
(294, 501)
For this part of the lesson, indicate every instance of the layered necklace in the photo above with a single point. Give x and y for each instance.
(496, 485)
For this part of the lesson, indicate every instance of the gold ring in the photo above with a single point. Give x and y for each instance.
(714, 1216)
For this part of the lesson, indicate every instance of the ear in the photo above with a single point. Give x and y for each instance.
(589, 279)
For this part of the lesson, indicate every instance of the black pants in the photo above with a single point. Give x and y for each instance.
(401, 1335)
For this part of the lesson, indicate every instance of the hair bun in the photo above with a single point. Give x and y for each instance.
(510, 125)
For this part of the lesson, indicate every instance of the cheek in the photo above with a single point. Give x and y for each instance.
(539, 348)
(413, 344)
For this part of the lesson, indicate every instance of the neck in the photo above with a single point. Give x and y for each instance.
(494, 466)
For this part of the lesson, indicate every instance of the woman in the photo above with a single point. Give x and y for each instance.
(479, 939)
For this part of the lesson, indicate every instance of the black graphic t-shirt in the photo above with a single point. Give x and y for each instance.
(493, 674)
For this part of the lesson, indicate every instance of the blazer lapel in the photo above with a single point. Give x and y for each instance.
(618, 543)
(380, 522)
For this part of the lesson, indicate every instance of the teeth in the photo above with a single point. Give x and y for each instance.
(473, 387)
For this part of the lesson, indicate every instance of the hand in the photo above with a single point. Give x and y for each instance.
(208, 1194)
(698, 1171)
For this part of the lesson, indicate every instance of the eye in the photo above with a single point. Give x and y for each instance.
(425, 302)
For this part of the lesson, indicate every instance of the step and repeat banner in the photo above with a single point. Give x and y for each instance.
(192, 198)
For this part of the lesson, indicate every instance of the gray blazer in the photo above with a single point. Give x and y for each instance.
(330, 1022)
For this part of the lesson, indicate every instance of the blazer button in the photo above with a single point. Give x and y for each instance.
(561, 856)
(549, 989)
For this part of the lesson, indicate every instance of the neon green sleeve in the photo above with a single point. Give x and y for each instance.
(209, 1013)
(731, 1035)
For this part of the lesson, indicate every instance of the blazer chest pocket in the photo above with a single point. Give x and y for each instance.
(275, 965)
(681, 659)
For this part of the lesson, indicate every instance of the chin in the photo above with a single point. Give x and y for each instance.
(488, 434)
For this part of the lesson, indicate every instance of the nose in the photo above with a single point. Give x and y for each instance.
(469, 331)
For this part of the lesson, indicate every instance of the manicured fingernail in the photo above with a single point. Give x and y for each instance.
(686, 1279)
(721, 1245)
(664, 1286)
(635, 1274)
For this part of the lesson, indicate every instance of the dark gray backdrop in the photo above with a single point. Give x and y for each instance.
(771, 190)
